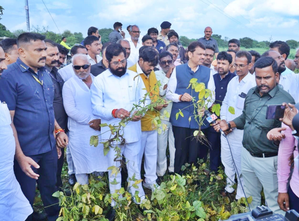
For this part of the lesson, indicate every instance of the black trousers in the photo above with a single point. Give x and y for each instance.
(46, 182)
(187, 148)
(59, 169)
(215, 148)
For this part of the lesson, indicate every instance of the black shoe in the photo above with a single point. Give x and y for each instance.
(159, 180)
(231, 196)
(111, 214)
(36, 216)
(72, 179)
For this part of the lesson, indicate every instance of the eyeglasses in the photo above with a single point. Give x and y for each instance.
(135, 32)
(78, 67)
(240, 65)
(116, 63)
(164, 62)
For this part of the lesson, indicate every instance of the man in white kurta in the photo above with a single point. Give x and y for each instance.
(234, 99)
(82, 123)
(113, 95)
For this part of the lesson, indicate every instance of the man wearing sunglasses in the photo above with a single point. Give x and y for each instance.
(82, 123)
(166, 64)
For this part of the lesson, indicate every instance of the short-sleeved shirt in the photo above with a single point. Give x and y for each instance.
(114, 36)
(211, 42)
(160, 46)
(33, 105)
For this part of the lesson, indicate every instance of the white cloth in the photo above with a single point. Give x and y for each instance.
(134, 55)
(232, 99)
(67, 72)
(149, 151)
(77, 104)
(172, 84)
(92, 62)
(110, 92)
(13, 204)
(290, 84)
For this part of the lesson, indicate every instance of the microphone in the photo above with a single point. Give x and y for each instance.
(212, 119)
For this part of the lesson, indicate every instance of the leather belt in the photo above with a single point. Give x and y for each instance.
(263, 155)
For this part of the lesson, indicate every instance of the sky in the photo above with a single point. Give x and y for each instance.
(267, 20)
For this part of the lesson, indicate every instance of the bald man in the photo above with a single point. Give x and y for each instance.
(208, 41)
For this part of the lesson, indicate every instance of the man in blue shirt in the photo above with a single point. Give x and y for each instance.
(28, 90)
(208, 41)
(159, 45)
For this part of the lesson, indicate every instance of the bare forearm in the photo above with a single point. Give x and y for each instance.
(19, 152)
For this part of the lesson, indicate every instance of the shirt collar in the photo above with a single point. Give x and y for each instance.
(191, 69)
(24, 67)
(139, 70)
(246, 78)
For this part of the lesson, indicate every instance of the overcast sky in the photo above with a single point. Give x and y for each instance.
(257, 19)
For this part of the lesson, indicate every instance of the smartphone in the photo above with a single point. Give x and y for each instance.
(275, 111)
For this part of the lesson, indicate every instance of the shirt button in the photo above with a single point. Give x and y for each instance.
(221, 87)
(219, 95)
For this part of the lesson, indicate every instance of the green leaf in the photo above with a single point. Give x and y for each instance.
(103, 125)
(199, 209)
(208, 93)
(181, 113)
(231, 110)
(200, 87)
(216, 109)
(177, 115)
(114, 182)
(56, 194)
(193, 80)
(106, 151)
(94, 141)
(195, 133)
(201, 94)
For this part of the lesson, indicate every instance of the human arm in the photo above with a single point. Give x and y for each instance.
(212, 88)
(24, 161)
(170, 93)
(61, 137)
(285, 150)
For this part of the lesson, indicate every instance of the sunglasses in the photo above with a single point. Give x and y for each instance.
(164, 62)
(78, 67)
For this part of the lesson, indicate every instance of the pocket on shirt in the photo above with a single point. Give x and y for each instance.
(240, 103)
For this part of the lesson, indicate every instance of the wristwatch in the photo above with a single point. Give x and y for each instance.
(229, 126)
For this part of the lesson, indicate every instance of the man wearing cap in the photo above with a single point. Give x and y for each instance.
(208, 41)
(165, 27)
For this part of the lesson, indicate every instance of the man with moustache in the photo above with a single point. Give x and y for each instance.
(207, 40)
(163, 75)
(113, 95)
(284, 50)
(296, 59)
(173, 37)
(52, 60)
(82, 123)
(100, 67)
(234, 44)
(135, 44)
(259, 155)
(27, 88)
(63, 52)
(159, 45)
(237, 90)
(173, 48)
(10, 48)
(126, 45)
(254, 57)
(210, 53)
(94, 48)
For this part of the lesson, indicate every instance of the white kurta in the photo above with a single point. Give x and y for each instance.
(13, 204)
(77, 104)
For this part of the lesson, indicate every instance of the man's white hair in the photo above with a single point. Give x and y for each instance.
(80, 56)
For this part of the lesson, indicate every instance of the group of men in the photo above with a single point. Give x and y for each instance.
(46, 107)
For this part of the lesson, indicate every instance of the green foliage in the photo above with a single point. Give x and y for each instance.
(104, 32)
(1, 11)
(246, 42)
(231, 110)
(292, 43)
(4, 32)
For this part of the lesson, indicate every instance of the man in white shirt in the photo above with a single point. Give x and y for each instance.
(67, 72)
(94, 48)
(82, 123)
(237, 90)
(113, 94)
(188, 150)
(135, 44)
(163, 75)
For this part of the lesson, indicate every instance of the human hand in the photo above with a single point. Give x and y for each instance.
(136, 117)
(275, 134)
(62, 140)
(289, 113)
(95, 124)
(122, 113)
(59, 153)
(25, 164)
(169, 72)
(283, 201)
(186, 97)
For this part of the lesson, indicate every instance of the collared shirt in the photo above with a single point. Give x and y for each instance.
(150, 82)
(235, 96)
(114, 36)
(253, 119)
(33, 106)
(59, 111)
(67, 72)
(160, 46)
(161, 77)
(221, 86)
(134, 55)
(213, 72)
(98, 68)
(287, 72)
(91, 61)
(163, 38)
(211, 42)
(290, 83)
(110, 92)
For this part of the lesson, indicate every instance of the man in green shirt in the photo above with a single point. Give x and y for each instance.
(259, 156)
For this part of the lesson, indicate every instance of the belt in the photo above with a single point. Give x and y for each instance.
(263, 155)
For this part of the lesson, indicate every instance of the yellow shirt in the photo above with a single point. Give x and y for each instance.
(65, 45)
(149, 82)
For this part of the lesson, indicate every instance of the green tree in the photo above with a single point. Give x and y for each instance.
(4, 32)
(185, 41)
(104, 32)
(246, 42)
(1, 11)
(292, 43)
